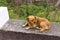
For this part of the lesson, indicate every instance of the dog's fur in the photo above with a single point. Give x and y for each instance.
(34, 21)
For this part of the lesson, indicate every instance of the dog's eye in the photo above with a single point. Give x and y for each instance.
(32, 20)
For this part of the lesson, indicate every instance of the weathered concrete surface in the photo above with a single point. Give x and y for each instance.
(16, 26)
(13, 30)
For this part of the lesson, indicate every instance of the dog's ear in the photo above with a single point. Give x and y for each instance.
(27, 19)
(35, 18)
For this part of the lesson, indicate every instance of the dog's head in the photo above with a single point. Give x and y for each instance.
(31, 20)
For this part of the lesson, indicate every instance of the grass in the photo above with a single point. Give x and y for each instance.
(33, 10)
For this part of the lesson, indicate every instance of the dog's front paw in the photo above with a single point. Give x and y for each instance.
(27, 28)
(23, 25)
(42, 30)
(37, 28)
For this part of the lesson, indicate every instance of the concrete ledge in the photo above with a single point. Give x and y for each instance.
(13, 30)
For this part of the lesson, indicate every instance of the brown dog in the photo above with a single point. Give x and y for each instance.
(30, 22)
(37, 22)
